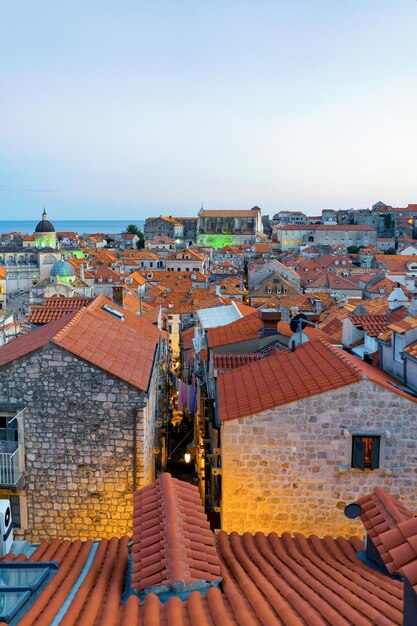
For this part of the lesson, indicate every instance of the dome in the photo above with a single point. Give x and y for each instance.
(44, 225)
(62, 269)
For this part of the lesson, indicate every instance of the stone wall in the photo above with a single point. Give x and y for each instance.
(288, 469)
(79, 441)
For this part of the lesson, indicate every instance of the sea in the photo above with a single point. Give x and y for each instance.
(107, 227)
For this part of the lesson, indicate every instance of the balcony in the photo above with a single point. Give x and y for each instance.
(12, 449)
(11, 464)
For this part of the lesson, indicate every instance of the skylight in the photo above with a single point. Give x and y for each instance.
(19, 582)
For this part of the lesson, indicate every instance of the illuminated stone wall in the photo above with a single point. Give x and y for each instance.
(283, 469)
(79, 441)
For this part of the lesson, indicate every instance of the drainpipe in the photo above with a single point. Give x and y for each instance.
(136, 407)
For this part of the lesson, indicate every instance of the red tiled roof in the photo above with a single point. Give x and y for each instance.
(403, 325)
(373, 325)
(53, 308)
(111, 345)
(267, 579)
(25, 344)
(311, 332)
(173, 546)
(242, 329)
(393, 530)
(282, 378)
(124, 349)
(226, 361)
(187, 337)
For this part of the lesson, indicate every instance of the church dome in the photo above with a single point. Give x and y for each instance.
(62, 269)
(44, 225)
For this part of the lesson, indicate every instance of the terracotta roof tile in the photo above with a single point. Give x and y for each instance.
(226, 361)
(243, 329)
(53, 308)
(173, 547)
(403, 325)
(25, 344)
(373, 325)
(125, 349)
(283, 378)
(267, 579)
(393, 530)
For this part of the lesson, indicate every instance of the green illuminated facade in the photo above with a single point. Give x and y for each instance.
(45, 240)
(217, 241)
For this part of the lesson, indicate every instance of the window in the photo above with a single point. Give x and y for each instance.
(15, 507)
(398, 346)
(365, 452)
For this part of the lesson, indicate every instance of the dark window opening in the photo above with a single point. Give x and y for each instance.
(365, 452)
(15, 507)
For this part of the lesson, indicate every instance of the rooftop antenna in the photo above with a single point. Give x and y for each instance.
(297, 325)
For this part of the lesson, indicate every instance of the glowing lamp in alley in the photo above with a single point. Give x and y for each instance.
(187, 457)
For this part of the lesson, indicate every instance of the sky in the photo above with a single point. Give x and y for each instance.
(122, 109)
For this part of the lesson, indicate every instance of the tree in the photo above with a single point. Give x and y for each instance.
(132, 229)
(388, 221)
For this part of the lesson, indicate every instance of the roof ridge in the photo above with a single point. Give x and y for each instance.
(69, 326)
(356, 369)
(175, 548)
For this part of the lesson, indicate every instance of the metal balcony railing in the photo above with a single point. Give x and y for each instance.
(11, 463)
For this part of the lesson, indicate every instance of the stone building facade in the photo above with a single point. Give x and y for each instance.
(89, 440)
(288, 469)
(222, 228)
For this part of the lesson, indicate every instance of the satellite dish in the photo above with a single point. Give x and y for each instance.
(298, 322)
(352, 511)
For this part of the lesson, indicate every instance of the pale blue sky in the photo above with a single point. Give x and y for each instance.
(123, 109)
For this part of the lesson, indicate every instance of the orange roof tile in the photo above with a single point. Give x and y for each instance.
(403, 325)
(267, 579)
(373, 325)
(242, 329)
(283, 378)
(25, 344)
(393, 530)
(314, 367)
(311, 332)
(124, 349)
(55, 307)
(173, 546)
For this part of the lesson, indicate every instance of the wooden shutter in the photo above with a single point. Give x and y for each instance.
(375, 453)
(358, 454)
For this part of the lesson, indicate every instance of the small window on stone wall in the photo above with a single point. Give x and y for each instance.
(15, 506)
(365, 452)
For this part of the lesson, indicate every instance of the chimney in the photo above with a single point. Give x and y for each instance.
(269, 319)
(218, 290)
(82, 271)
(118, 295)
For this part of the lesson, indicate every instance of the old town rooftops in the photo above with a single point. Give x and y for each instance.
(111, 338)
(266, 579)
(314, 367)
